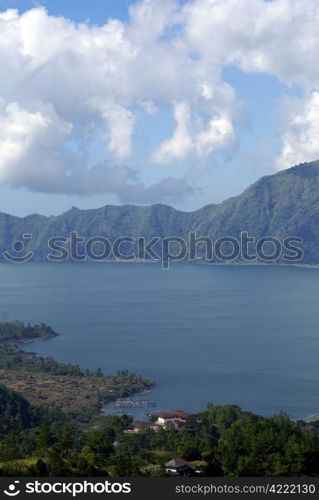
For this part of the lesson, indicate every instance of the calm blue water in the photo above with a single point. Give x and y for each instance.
(242, 335)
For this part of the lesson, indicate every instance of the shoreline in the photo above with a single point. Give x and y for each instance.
(43, 381)
(172, 262)
(139, 394)
(36, 339)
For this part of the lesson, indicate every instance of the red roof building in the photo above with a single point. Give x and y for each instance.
(174, 417)
(174, 414)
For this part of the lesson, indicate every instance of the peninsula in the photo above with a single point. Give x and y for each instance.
(44, 382)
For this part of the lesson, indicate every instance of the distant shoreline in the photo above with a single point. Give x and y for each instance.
(137, 394)
(195, 263)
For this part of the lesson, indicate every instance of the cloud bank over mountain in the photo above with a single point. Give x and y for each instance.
(63, 84)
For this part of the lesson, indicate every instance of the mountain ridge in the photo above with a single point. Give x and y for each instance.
(312, 166)
(280, 205)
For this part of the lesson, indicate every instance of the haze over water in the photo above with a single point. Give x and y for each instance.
(245, 335)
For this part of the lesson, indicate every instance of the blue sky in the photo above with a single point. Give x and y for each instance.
(96, 11)
(163, 105)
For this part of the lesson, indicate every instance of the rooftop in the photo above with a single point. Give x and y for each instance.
(175, 463)
(174, 414)
(144, 425)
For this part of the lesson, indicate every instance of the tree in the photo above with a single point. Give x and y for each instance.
(44, 438)
(101, 445)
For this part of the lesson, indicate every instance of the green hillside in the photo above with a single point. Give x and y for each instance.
(281, 205)
(15, 412)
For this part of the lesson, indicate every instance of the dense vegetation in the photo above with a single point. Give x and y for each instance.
(19, 332)
(51, 424)
(281, 205)
(221, 441)
(16, 413)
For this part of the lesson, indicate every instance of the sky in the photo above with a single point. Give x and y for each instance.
(154, 101)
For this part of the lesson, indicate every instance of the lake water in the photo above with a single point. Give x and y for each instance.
(230, 334)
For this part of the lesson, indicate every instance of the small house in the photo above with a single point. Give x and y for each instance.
(175, 418)
(178, 466)
(140, 426)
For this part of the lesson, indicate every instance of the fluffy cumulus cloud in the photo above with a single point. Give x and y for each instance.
(190, 138)
(181, 144)
(64, 84)
(29, 145)
(300, 131)
(277, 37)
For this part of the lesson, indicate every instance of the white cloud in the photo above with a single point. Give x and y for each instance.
(181, 144)
(190, 136)
(121, 123)
(63, 83)
(278, 37)
(29, 142)
(150, 19)
(300, 131)
(71, 81)
(220, 134)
